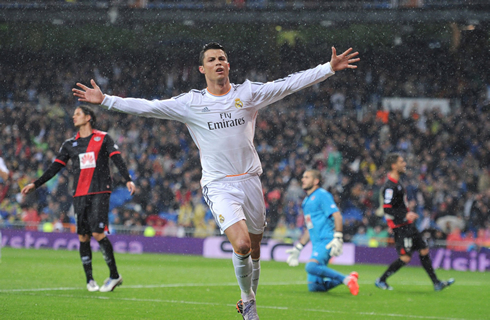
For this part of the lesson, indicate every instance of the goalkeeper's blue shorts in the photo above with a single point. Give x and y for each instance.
(320, 253)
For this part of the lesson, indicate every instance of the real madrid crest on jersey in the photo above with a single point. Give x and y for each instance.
(238, 103)
(221, 219)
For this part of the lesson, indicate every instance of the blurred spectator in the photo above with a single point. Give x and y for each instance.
(447, 154)
(30, 217)
(360, 238)
(377, 235)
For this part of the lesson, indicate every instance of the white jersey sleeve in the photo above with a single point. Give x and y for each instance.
(172, 109)
(3, 167)
(270, 92)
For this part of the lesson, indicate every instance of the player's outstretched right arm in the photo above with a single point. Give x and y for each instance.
(170, 109)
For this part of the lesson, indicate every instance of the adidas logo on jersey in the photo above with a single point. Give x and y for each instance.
(205, 109)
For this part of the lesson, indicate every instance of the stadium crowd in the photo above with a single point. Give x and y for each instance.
(337, 127)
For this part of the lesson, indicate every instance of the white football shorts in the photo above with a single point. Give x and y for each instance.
(237, 198)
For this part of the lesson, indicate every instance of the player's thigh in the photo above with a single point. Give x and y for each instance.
(254, 205)
(320, 253)
(404, 242)
(80, 207)
(98, 215)
(419, 243)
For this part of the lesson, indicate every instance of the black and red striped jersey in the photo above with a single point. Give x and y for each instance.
(394, 204)
(90, 163)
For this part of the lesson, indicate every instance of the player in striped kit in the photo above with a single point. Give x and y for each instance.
(90, 151)
(221, 120)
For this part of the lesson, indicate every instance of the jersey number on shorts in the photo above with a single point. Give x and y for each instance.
(407, 243)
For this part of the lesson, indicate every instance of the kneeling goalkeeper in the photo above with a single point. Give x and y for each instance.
(323, 221)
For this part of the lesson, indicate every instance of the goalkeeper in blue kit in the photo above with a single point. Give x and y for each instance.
(323, 221)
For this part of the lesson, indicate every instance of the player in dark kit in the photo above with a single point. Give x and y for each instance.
(400, 220)
(89, 152)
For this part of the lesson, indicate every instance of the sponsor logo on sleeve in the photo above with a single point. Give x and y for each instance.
(388, 195)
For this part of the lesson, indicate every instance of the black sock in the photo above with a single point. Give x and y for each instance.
(108, 253)
(86, 256)
(394, 267)
(427, 264)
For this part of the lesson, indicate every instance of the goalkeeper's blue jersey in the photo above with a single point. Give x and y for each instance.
(318, 208)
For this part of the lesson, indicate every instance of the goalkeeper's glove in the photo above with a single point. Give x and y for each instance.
(293, 259)
(335, 245)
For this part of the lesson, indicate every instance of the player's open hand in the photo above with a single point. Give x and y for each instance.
(28, 189)
(131, 187)
(411, 216)
(344, 60)
(293, 258)
(335, 246)
(86, 94)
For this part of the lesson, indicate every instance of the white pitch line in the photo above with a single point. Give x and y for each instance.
(374, 314)
(167, 285)
(227, 284)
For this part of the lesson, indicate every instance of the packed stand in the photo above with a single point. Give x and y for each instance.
(334, 127)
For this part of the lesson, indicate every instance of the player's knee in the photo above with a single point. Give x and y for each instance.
(424, 252)
(405, 258)
(311, 267)
(316, 287)
(84, 237)
(98, 236)
(243, 247)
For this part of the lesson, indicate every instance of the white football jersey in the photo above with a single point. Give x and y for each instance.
(223, 126)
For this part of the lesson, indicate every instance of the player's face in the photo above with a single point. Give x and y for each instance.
(308, 181)
(80, 118)
(400, 165)
(215, 65)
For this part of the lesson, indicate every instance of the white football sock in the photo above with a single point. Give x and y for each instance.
(243, 272)
(255, 274)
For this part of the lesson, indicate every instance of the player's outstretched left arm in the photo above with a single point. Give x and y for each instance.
(344, 60)
(91, 95)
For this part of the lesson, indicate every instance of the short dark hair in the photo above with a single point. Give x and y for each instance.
(316, 175)
(390, 160)
(210, 46)
(88, 111)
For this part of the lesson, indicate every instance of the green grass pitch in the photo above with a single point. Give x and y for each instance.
(49, 284)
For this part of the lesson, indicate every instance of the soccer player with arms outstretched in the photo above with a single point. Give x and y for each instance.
(323, 221)
(90, 151)
(221, 120)
(400, 219)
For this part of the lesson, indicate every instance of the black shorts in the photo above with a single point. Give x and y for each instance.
(408, 239)
(92, 212)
